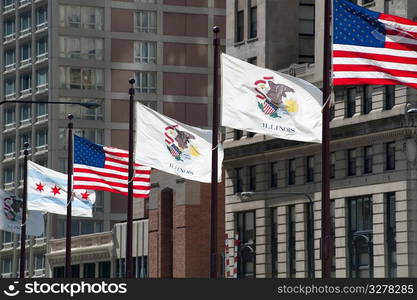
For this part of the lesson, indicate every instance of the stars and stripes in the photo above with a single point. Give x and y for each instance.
(373, 48)
(98, 167)
(269, 107)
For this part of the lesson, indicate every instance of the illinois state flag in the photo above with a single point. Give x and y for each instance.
(264, 101)
(47, 191)
(170, 146)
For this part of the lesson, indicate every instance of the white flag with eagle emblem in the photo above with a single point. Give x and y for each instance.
(268, 102)
(173, 147)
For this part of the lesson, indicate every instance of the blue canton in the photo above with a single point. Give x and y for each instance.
(357, 26)
(88, 153)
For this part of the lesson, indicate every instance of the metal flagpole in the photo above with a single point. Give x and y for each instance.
(326, 223)
(214, 155)
(69, 199)
(129, 225)
(24, 210)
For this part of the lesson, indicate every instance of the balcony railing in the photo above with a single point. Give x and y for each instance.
(41, 88)
(10, 126)
(26, 92)
(25, 32)
(9, 8)
(42, 118)
(9, 37)
(24, 2)
(9, 155)
(9, 186)
(10, 67)
(25, 122)
(7, 275)
(41, 27)
(25, 62)
(41, 57)
(41, 148)
(10, 96)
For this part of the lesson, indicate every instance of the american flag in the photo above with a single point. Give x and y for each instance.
(98, 167)
(373, 48)
(269, 107)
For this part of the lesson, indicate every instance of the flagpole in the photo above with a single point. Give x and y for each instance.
(69, 199)
(129, 224)
(24, 209)
(214, 155)
(325, 193)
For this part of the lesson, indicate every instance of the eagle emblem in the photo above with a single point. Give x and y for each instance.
(12, 208)
(274, 99)
(179, 143)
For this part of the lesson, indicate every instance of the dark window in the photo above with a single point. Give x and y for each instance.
(274, 174)
(89, 270)
(140, 266)
(104, 269)
(291, 171)
(75, 271)
(310, 169)
(59, 272)
(331, 113)
(237, 134)
(274, 242)
(351, 162)
(239, 26)
(332, 164)
(291, 242)
(391, 235)
(367, 159)
(309, 215)
(360, 237)
(351, 102)
(246, 257)
(253, 26)
(306, 31)
(252, 178)
(389, 96)
(120, 268)
(253, 60)
(250, 134)
(390, 155)
(367, 99)
(238, 181)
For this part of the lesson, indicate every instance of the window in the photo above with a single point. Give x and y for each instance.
(42, 137)
(10, 87)
(9, 58)
(306, 25)
(41, 16)
(390, 155)
(360, 237)
(274, 174)
(25, 137)
(145, 21)
(42, 78)
(145, 82)
(39, 262)
(8, 175)
(367, 99)
(238, 186)
(41, 109)
(389, 96)
(58, 272)
(81, 78)
(9, 117)
(81, 17)
(351, 162)
(253, 21)
(81, 112)
(351, 102)
(6, 265)
(25, 53)
(9, 146)
(274, 242)
(253, 60)
(7, 237)
(252, 178)
(81, 48)
(25, 82)
(391, 229)
(99, 203)
(239, 26)
(237, 134)
(95, 135)
(8, 5)
(291, 171)
(145, 52)
(104, 268)
(245, 228)
(140, 266)
(310, 169)
(25, 112)
(82, 227)
(367, 159)
(9, 28)
(332, 165)
(25, 23)
(250, 134)
(41, 47)
(309, 216)
(89, 270)
(291, 242)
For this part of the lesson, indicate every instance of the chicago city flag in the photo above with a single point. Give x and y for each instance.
(170, 146)
(264, 101)
(373, 48)
(47, 191)
(11, 216)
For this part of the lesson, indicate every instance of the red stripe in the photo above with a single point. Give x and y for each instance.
(107, 151)
(93, 187)
(370, 81)
(402, 33)
(396, 19)
(89, 171)
(110, 183)
(398, 46)
(371, 68)
(124, 162)
(378, 57)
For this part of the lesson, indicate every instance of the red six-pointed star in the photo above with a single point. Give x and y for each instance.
(39, 187)
(55, 190)
(85, 195)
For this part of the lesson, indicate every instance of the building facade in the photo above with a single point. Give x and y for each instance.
(86, 51)
(373, 160)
